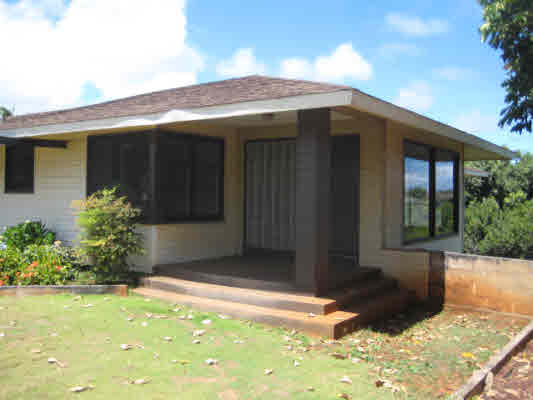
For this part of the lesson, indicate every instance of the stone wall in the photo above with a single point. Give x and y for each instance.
(500, 284)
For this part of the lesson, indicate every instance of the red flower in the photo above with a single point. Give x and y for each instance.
(1, 283)
(34, 264)
(18, 273)
(58, 267)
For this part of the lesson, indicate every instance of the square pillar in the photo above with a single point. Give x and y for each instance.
(312, 200)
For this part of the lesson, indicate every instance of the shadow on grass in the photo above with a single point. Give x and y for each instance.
(397, 324)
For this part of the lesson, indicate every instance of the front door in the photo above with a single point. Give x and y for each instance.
(270, 195)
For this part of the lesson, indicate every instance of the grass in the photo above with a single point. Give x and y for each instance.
(87, 342)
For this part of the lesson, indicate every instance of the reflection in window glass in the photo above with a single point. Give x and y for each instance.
(416, 212)
(444, 193)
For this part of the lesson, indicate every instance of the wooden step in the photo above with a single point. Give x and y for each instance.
(262, 298)
(332, 325)
(378, 307)
(228, 280)
(362, 290)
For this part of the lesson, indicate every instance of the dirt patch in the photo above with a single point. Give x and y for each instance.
(515, 379)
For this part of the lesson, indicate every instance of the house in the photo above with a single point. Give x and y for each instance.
(259, 182)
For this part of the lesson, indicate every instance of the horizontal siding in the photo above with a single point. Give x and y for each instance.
(59, 180)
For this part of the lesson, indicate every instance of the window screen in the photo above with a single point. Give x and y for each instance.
(19, 171)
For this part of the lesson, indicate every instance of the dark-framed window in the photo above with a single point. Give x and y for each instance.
(171, 177)
(19, 168)
(431, 191)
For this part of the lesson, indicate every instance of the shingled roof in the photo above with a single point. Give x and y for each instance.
(229, 91)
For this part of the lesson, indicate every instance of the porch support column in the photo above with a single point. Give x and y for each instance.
(312, 200)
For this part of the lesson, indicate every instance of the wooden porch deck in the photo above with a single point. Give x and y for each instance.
(259, 271)
(261, 288)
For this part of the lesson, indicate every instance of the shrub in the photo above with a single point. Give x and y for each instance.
(27, 233)
(10, 263)
(501, 232)
(108, 223)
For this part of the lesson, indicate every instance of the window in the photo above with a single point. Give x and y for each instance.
(19, 170)
(171, 177)
(430, 192)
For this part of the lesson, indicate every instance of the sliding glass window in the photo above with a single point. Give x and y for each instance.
(430, 192)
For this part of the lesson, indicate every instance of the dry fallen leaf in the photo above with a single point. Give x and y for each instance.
(167, 338)
(343, 396)
(36, 351)
(469, 355)
(296, 363)
(222, 316)
(199, 332)
(53, 360)
(211, 361)
(338, 356)
(206, 322)
(310, 389)
(126, 346)
(79, 389)
(347, 380)
(141, 381)
(513, 392)
(311, 315)
(196, 341)
(268, 371)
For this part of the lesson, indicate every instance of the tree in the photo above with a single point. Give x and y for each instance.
(508, 26)
(4, 113)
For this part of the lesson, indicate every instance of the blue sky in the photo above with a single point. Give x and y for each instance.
(423, 55)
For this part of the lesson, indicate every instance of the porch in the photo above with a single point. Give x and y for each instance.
(263, 271)
(261, 287)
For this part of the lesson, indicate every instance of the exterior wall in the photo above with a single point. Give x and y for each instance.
(59, 180)
(500, 284)
(173, 243)
(381, 196)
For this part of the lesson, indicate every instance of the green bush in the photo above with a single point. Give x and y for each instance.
(27, 233)
(36, 265)
(500, 232)
(108, 224)
(10, 264)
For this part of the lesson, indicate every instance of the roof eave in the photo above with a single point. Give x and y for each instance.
(337, 98)
(384, 109)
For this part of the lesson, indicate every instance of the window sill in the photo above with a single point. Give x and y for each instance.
(431, 239)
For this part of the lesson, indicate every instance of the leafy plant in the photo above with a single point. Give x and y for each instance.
(36, 265)
(108, 223)
(508, 27)
(27, 233)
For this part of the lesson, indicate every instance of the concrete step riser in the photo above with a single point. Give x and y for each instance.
(373, 288)
(309, 325)
(232, 281)
(272, 300)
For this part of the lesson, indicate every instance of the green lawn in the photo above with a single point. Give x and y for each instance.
(86, 341)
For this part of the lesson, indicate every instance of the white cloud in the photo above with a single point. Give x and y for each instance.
(123, 47)
(242, 63)
(452, 73)
(343, 63)
(416, 26)
(391, 50)
(416, 96)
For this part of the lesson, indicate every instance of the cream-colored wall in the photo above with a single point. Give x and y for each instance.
(59, 179)
(381, 195)
(192, 241)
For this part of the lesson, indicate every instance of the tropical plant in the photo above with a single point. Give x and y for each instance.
(109, 234)
(27, 233)
(508, 27)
